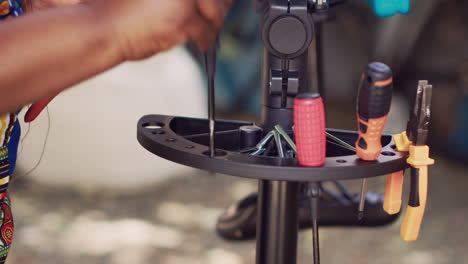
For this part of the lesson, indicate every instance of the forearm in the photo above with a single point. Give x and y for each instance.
(46, 52)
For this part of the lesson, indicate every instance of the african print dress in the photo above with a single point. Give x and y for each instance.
(8, 9)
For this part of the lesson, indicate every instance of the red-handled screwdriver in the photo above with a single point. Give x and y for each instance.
(310, 134)
(309, 129)
(373, 107)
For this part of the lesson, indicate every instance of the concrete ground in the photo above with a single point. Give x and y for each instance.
(173, 222)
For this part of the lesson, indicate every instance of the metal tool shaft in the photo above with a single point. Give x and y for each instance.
(279, 144)
(315, 193)
(341, 142)
(286, 137)
(211, 115)
(210, 64)
(362, 201)
(315, 244)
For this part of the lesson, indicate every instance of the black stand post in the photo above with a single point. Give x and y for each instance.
(277, 224)
(284, 76)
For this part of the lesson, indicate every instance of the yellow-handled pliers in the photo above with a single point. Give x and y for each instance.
(413, 140)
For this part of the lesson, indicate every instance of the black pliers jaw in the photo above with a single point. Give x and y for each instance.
(418, 125)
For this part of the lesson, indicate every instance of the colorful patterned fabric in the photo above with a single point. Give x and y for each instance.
(6, 228)
(7, 122)
(8, 9)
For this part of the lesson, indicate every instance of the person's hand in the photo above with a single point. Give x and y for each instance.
(145, 27)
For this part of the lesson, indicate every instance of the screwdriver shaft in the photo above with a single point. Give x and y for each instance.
(315, 238)
(211, 114)
(210, 64)
(315, 193)
(362, 201)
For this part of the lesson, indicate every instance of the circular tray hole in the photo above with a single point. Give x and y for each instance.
(171, 140)
(153, 125)
(189, 147)
(388, 153)
(218, 153)
(341, 161)
(393, 146)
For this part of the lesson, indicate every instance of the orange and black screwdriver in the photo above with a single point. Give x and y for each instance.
(373, 107)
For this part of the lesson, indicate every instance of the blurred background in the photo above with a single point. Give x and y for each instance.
(85, 191)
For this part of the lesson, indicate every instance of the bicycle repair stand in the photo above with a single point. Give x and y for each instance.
(287, 32)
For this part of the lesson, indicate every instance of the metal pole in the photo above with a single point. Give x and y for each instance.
(278, 202)
(319, 56)
(277, 225)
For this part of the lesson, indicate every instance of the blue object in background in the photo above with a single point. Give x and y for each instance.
(13, 146)
(460, 136)
(388, 8)
(240, 60)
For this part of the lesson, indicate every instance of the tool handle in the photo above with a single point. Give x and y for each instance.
(35, 110)
(309, 129)
(393, 192)
(373, 107)
(417, 204)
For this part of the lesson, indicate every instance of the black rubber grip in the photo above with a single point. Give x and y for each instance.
(305, 96)
(363, 127)
(362, 143)
(414, 189)
(375, 92)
